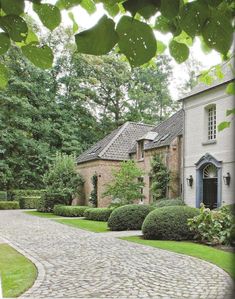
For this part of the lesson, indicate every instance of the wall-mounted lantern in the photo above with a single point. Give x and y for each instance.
(227, 179)
(190, 181)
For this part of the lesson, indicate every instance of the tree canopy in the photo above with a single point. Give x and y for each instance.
(132, 34)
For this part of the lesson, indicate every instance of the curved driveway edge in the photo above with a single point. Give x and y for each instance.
(73, 263)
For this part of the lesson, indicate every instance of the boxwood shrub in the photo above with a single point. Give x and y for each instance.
(168, 202)
(70, 211)
(169, 223)
(98, 214)
(29, 202)
(128, 217)
(9, 205)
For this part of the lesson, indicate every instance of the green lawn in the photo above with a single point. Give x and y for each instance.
(17, 272)
(93, 226)
(222, 259)
(40, 214)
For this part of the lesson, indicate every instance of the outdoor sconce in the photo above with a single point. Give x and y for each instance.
(190, 181)
(227, 179)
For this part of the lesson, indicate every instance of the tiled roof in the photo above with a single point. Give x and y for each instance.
(228, 76)
(117, 144)
(165, 132)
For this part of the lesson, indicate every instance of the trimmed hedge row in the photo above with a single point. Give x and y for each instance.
(168, 202)
(17, 194)
(29, 202)
(3, 195)
(70, 211)
(98, 214)
(9, 205)
(169, 223)
(128, 217)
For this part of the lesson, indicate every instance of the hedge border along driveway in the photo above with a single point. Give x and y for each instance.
(81, 264)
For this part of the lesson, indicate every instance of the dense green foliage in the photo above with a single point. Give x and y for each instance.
(98, 214)
(214, 227)
(62, 182)
(160, 177)
(125, 187)
(29, 202)
(9, 205)
(129, 217)
(17, 272)
(132, 35)
(168, 202)
(70, 211)
(16, 194)
(3, 195)
(71, 106)
(169, 223)
(93, 197)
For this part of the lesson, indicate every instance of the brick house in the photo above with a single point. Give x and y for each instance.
(133, 141)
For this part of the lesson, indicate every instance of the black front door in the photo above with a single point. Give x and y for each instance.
(210, 193)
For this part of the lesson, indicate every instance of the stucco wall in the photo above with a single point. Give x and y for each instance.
(195, 143)
(103, 169)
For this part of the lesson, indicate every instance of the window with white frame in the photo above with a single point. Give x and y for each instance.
(211, 122)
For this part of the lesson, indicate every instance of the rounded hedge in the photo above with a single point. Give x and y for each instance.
(169, 223)
(128, 217)
(70, 211)
(98, 214)
(169, 202)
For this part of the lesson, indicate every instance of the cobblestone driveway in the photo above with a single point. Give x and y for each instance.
(73, 263)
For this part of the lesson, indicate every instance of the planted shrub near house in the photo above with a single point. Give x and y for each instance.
(128, 217)
(16, 194)
(70, 211)
(98, 214)
(169, 223)
(9, 205)
(168, 202)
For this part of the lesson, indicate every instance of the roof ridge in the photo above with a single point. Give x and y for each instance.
(142, 124)
(121, 128)
(166, 120)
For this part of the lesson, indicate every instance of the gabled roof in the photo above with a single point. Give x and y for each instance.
(117, 144)
(200, 87)
(165, 132)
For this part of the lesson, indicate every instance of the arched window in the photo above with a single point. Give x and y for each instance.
(210, 171)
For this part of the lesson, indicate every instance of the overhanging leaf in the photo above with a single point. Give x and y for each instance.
(230, 112)
(42, 57)
(223, 125)
(184, 38)
(230, 89)
(89, 6)
(66, 4)
(49, 15)
(169, 8)
(15, 26)
(146, 8)
(12, 7)
(98, 40)
(75, 25)
(179, 51)
(4, 43)
(193, 16)
(4, 77)
(136, 40)
(161, 47)
(218, 32)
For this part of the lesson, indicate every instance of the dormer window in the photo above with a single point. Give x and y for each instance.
(211, 114)
(140, 150)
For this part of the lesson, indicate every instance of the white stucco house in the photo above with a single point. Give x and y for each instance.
(208, 164)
